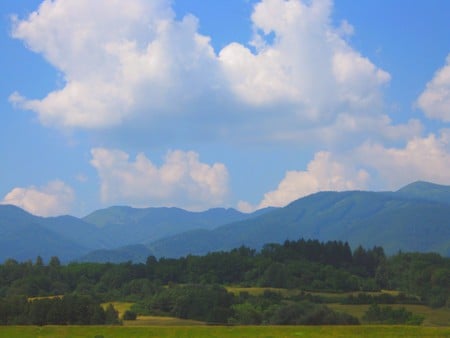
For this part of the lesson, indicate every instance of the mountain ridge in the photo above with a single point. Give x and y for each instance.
(353, 216)
(413, 218)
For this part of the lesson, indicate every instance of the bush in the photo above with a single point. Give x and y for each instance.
(129, 315)
(387, 315)
(307, 313)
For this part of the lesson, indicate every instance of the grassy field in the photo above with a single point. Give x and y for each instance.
(121, 307)
(221, 331)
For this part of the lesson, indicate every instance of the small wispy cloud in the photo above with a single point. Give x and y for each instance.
(53, 199)
(182, 180)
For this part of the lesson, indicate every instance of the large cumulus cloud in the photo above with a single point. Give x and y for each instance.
(135, 61)
(117, 59)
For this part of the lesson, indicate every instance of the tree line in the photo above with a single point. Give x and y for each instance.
(59, 310)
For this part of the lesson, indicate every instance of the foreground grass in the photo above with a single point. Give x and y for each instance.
(221, 331)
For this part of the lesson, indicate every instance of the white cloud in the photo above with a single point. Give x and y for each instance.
(133, 61)
(323, 173)
(53, 199)
(426, 158)
(351, 130)
(182, 180)
(435, 100)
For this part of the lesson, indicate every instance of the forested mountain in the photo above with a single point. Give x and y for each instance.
(414, 218)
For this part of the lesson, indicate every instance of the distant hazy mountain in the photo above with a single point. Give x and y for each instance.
(79, 231)
(24, 236)
(125, 225)
(415, 218)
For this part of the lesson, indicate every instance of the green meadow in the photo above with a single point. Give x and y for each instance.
(221, 331)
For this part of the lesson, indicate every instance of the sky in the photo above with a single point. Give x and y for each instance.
(227, 103)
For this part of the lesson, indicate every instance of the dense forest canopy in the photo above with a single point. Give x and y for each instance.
(196, 283)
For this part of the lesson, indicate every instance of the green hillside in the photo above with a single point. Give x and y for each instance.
(396, 221)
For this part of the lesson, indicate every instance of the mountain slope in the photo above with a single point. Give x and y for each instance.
(23, 237)
(396, 221)
(78, 231)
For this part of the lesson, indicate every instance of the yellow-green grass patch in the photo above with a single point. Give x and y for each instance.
(121, 307)
(44, 297)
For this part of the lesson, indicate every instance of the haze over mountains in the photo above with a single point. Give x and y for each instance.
(414, 218)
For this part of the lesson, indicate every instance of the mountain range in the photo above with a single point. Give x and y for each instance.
(414, 218)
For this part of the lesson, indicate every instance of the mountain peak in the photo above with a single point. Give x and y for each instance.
(426, 191)
(423, 185)
(13, 211)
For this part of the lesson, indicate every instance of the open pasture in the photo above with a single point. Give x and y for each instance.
(221, 331)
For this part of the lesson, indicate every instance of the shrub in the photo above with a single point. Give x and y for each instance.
(129, 315)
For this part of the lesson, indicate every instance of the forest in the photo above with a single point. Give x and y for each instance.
(197, 287)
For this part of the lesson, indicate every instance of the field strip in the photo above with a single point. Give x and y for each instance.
(223, 331)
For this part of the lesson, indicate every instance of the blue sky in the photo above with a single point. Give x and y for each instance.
(237, 103)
